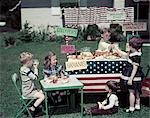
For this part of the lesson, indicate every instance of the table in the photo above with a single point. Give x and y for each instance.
(98, 72)
(73, 83)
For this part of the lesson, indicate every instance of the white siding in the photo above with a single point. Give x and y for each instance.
(40, 17)
(119, 3)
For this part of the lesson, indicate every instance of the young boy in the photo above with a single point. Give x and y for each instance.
(29, 72)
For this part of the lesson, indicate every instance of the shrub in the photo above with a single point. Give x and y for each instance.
(25, 35)
(59, 39)
(9, 39)
(92, 32)
(41, 34)
(116, 33)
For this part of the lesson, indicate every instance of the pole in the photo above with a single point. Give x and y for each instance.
(79, 3)
(137, 18)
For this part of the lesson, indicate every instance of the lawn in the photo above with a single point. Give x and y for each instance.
(9, 64)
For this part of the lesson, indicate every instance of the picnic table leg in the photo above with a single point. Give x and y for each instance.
(72, 101)
(81, 102)
(46, 106)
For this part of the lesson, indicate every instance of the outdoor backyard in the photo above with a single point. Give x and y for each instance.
(9, 64)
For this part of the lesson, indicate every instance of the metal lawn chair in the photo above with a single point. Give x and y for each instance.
(25, 101)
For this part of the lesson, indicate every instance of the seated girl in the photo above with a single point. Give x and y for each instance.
(53, 70)
(109, 105)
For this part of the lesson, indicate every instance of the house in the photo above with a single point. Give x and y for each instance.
(48, 12)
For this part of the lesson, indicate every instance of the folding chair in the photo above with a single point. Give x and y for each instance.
(25, 101)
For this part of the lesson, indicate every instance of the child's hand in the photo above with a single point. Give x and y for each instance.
(129, 82)
(35, 63)
(112, 46)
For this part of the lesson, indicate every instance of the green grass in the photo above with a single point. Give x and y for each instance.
(9, 63)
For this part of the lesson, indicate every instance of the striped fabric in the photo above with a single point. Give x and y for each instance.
(98, 73)
(96, 84)
(146, 87)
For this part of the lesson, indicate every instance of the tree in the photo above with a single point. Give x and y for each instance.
(6, 5)
(11, 13)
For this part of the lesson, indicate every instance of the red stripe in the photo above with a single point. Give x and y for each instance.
(98, 78)
(145, 93)
(147, 79)
(146, 84)
(94, 90)
(93, 84)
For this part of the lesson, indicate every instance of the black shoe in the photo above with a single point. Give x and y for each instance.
(31, 112)
(137, 109)
(38, 111)
(40, 114)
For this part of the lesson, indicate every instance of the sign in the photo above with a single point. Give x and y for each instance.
(97, 15)
(67, 49)
(66, 31)
(116, 15)
(137, 26)
(76, 65)
(136, 0)
(141, 0)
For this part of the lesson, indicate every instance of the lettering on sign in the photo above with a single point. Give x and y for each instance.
(66, 31)
(67, 49)
(97, 15)
(137, 26)
(76, 65)
(116, 15)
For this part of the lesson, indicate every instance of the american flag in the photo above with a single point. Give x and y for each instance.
(98, 73)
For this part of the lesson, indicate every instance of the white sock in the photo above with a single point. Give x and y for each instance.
(32, 108)
(137, 106)
(131, 108)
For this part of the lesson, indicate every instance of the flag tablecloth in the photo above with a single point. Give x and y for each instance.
(98, 73)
